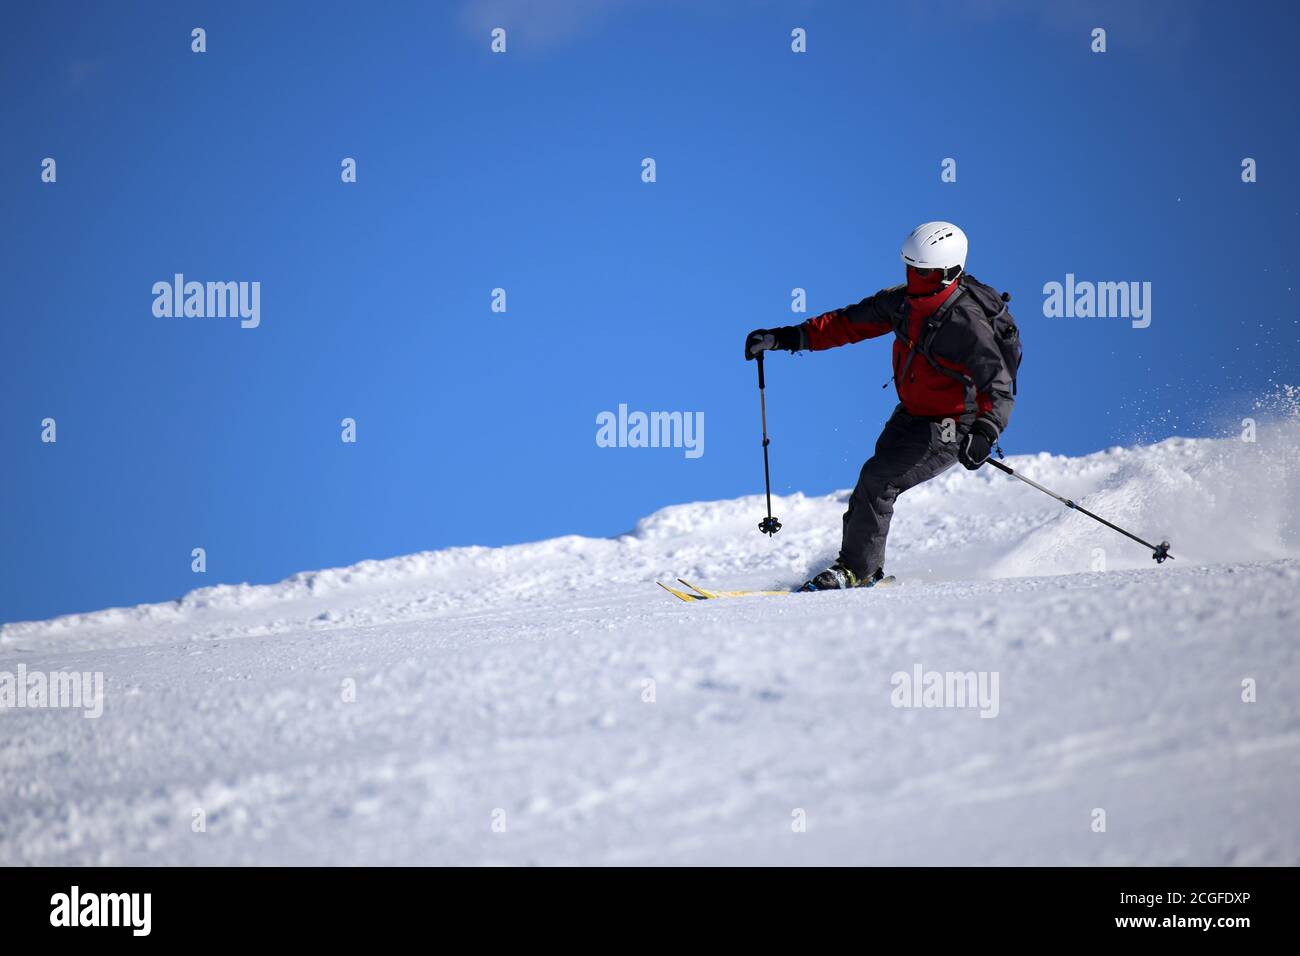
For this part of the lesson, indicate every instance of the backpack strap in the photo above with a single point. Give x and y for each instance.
(926, 339)
(933, 323)
(927, 332)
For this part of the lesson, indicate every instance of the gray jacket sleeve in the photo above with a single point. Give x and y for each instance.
(989, 373)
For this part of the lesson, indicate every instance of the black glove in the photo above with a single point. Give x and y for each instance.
(784, 339)
(976, 444)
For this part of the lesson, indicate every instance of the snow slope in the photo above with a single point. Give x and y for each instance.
(513, 686)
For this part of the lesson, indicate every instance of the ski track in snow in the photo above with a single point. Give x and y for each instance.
(512, 679)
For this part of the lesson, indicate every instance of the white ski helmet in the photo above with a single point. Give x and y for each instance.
(936, 245)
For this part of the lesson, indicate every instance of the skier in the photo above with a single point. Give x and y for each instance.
(956, 354)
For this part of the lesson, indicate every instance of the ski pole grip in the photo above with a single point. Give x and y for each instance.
(761, 383)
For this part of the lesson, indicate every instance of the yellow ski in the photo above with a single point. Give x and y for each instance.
(702, 595)
(678, 594)
(722, 594)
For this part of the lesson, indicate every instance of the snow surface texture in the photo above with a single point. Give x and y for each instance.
(511, 687)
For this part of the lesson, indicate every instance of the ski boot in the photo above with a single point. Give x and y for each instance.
(837, 577)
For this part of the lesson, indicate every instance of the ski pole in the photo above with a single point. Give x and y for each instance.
(1159, 551)
(769, 525)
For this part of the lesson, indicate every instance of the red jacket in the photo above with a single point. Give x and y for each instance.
(961, 344)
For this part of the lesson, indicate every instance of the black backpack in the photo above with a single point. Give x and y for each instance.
(1005, 331)
(994, 307)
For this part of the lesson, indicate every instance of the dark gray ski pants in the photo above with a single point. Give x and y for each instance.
(909, 451)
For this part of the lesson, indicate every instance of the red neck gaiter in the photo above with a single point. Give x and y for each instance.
(918, 284)
(924, 296)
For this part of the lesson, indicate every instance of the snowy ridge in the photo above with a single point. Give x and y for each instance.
(1218, 500)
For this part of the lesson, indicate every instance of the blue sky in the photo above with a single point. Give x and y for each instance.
(522, 171)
